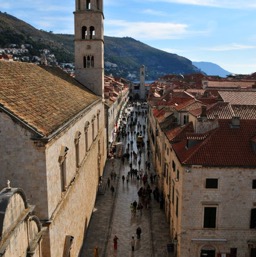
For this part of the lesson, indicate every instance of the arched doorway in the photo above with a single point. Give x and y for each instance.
(208, 251)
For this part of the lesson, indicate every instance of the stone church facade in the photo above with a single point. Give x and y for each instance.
(53, 138)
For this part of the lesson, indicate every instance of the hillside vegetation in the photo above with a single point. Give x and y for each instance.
(123, 56)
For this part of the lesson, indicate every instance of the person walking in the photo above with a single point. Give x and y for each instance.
(95, 252)
(115, 242)
(138, 232)
(133, 243)
(112, 189)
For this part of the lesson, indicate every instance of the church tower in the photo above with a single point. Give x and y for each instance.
(142, 83)
(89, 45)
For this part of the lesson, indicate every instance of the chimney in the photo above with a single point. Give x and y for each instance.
(235, 122)
(203, 115)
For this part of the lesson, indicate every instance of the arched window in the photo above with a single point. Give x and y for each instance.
(78, 5)
(92, 61)
(93, 129)
(77, 147)
(63, 168)
(88, 5)
(86, 128)
(88, 63)
(84, 61)
(92, 32)
(84, 32)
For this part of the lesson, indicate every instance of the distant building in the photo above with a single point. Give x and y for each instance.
(139, 91)
(204, 156)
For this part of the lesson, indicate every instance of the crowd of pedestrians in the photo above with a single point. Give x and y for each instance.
(131, 131)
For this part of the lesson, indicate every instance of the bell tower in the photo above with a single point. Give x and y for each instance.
(89, 44)
(142, 83)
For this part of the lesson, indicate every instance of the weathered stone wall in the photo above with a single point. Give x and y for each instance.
(234, 199)
(70, 211)
(23, 163)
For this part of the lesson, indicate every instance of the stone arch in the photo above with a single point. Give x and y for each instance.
(92, 61)
(88, 5)
(84, 32)
(34, 227)
(13, 203)
(92, 32)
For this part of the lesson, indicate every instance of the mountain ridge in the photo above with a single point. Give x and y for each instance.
(212, 69)
(123, 56)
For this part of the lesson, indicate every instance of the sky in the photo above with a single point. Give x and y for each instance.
(218, 31)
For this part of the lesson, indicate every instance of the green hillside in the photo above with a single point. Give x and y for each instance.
(123, 56)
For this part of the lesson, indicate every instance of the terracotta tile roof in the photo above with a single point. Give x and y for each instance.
(244, 111)
(45, 98)
(178, 133)
(227, 111)
(242, 98)
(224, 146)
(230, 84)
(222, 110)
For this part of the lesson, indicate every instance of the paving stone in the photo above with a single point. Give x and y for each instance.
(112, 216)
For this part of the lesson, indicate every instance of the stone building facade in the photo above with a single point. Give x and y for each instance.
(53, 136)
(54, 147)
(207, 177)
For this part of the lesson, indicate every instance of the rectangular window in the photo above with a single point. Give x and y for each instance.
(210, 217)
(177, 175)
(253, 218)
(254, 184)
(86, 141)
(173, 166)
(98, 123)
(166, 173)
(233, 252)
(93, 131)
(63, 175)
(172, 194)
(77, 154)
(177, 206)
(211, 183)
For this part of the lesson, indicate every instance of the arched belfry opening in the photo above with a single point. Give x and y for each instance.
(84, 32)
(92, 32)
(88, 5)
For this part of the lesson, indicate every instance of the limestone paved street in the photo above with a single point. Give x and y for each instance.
(112, 215)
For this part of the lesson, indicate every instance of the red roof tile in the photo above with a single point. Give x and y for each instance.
(224, 146)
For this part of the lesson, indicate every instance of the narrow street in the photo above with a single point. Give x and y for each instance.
(113, 215)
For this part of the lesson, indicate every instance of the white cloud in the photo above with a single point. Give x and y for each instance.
(146, 30)
(154, 12)
(231, 47)
(235, 4)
